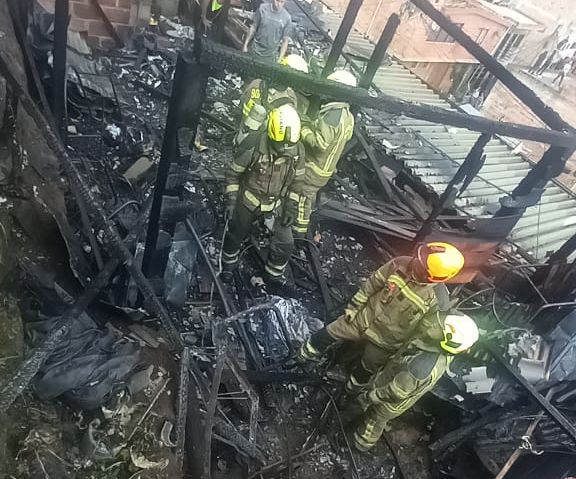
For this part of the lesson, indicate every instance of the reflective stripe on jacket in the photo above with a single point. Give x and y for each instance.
(390, 304)
(262, 175)
(253, 92)
(324, 140)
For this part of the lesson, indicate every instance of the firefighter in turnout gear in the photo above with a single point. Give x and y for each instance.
(266, 163)
(411, 372)
(270, 96)
(324, 140)
(388, 308)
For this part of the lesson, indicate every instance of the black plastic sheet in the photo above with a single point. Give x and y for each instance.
(87, 366)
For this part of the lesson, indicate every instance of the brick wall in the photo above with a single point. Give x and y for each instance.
(123, 14)
(432, 61)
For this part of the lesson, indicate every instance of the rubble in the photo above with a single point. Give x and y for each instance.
(172, 373)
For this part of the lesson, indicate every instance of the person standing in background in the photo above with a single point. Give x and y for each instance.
(270, 31)
(564, 70)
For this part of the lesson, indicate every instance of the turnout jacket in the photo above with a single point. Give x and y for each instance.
(262, 176)
(324, 140)
(390, 305)
(259, 92)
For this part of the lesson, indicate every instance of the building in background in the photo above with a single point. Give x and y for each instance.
(509, 48)
(432, 54)
(558, 18)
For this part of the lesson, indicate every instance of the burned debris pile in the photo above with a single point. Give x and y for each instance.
(140, 362)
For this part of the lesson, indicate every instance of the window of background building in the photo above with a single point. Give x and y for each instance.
(441, 36)
(482, 33)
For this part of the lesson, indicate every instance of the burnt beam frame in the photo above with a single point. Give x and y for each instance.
(467, 171)
(380, 51)
(59, 50)
(221, 58)
(184, 110)
(342, 35)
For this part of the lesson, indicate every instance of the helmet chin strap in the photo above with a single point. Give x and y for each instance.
(418, 272)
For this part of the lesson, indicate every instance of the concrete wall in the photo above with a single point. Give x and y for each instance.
(431, 61)
(124, 15)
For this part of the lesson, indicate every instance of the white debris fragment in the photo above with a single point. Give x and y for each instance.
(114, 130)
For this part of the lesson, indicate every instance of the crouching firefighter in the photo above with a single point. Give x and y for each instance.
(324, 140)
(411, 372)
(388, 308)
(265, 165)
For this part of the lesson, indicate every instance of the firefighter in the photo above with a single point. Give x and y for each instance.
(324, 140)
(257, 181)
(387, 309)
(259, 92)
(411, 372)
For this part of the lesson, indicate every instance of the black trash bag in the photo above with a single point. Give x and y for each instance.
(87, 366)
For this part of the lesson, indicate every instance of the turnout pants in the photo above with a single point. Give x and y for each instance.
(395, 389)
(281, 242)
(302, 206)
(342, 330)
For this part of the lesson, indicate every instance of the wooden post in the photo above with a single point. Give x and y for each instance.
(380, 51)
(342, 36)
(61, 13)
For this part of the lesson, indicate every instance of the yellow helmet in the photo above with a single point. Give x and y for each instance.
(442, 261)
(284, 125)
(460, 333)
(296, 62)
(343, 76)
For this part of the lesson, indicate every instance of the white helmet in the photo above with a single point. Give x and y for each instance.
(460, 333)
(296, 62)
(343, 76)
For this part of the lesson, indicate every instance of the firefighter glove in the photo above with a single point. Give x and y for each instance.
(229, 208)
(289, 212)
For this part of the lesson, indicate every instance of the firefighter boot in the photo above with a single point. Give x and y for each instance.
(359, 380)
(313, 349)
(229, 265)
(372, 425)
(280, 286)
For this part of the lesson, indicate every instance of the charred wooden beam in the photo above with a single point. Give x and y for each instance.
(82, 192)
(251, 351)
(182, 411)
(38, 356)
(380, 51)
(314, 258)
(528, 434)
(552, 410)
(458, 184)
(342, 35)
(523, 92)
(187, 97)
(530, 189)
(59, 49)
(221, 58)
(457, 436)
(20, 31)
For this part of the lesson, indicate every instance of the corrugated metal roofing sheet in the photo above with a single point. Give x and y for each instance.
(433, 152)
